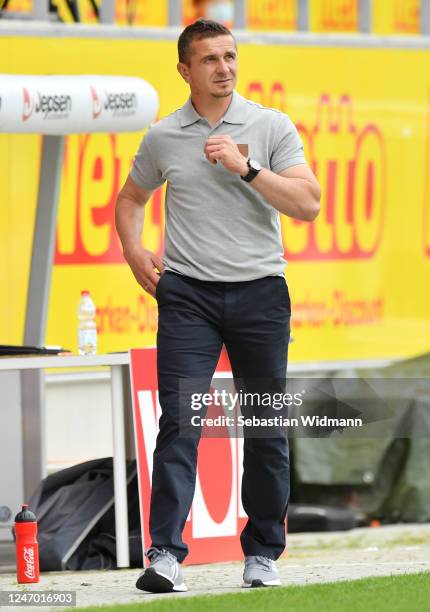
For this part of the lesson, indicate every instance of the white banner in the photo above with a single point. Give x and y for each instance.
(75, 104)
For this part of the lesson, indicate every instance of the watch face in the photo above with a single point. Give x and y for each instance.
(254, 165)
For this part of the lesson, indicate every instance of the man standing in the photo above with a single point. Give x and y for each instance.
(231, 166)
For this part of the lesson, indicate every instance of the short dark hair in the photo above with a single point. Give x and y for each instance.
(202, 28)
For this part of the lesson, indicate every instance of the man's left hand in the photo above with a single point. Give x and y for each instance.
(225, 150)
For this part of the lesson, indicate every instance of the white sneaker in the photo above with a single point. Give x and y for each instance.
(164, 573)
(260, 572)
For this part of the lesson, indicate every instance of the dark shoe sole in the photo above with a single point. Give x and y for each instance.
(150, 581)
(256, 584)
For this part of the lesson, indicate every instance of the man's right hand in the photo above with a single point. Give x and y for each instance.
(143, 264)
(129, 215)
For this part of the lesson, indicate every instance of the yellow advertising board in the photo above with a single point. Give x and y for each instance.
(189, 12)
(272, 15)
(152, 13)
(396, 16)
(334, 15)
(197, 9)
(20, 6)
(357, 276)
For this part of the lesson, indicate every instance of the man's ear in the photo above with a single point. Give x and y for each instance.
(183, 71)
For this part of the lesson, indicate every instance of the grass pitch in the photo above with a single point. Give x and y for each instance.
(400, 593)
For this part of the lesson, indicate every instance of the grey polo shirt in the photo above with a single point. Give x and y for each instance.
(218, 227)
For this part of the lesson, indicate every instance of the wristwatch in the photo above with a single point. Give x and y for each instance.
(254, 169)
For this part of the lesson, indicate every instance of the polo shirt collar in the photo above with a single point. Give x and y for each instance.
(188, 114)
(235, 113)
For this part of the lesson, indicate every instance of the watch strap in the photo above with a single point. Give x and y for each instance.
(252, 173)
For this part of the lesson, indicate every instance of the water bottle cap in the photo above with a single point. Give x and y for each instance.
(25, 516)
(85, 292)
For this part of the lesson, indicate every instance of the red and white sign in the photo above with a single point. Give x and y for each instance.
(217, 517)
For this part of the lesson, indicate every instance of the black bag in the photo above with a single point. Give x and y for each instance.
(76, 518)
(312, 517)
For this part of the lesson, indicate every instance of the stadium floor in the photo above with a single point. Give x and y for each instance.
(311, 558)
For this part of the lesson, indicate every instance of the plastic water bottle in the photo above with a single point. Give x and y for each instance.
(87, 330)
(27, 549)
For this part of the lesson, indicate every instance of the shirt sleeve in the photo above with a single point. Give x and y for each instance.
(145, 170)
(288, 150)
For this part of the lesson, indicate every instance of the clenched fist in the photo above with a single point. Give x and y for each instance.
(224, 149)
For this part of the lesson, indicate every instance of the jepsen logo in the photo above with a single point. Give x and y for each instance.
(97, 105)
(29, 571)
(47, 106)
(27, 107)
(117, 104)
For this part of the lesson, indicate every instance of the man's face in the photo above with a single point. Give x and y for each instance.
(212, 67)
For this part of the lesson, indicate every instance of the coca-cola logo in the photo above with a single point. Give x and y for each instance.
(50, 106)
(30, 571)
(119, 104)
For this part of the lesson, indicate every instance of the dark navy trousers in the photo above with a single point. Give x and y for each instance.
(252, 320)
